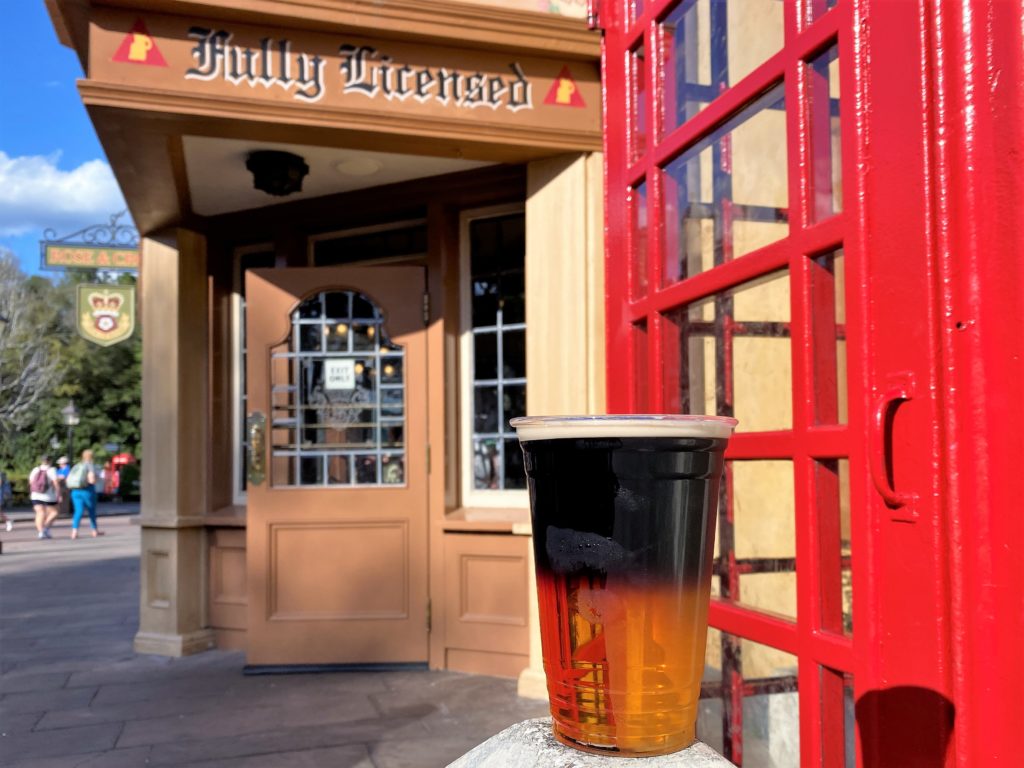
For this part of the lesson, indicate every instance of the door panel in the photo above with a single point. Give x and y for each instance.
(376, 590)
(337, 530)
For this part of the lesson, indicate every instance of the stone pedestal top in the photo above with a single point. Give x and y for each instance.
(531, 744)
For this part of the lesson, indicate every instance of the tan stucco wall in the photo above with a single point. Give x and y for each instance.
(565, 357)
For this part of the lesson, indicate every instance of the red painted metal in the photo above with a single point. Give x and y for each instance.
(977, 183)
(932, 131)
(810, 441)
(932, 97)
(620, 256)
(902, 579)
(900, 389)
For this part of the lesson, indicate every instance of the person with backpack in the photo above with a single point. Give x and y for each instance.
(44, 493)
(81, 480)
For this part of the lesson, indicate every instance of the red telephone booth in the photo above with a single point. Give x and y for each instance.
(814, 224)
(112, 473)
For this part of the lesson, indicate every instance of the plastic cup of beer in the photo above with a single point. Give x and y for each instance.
(624, 511)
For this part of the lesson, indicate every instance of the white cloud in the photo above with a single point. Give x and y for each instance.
(35, 195)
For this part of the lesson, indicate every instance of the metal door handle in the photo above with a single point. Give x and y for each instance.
(900, 387)
(256, 429)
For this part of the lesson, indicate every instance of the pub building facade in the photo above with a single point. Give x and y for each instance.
(373, 233)
(330, 365)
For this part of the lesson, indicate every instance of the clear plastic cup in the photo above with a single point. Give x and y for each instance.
(624, 511)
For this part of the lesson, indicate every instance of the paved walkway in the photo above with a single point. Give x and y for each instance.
(72, 692)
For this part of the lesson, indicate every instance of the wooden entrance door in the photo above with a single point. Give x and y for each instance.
(337, 497)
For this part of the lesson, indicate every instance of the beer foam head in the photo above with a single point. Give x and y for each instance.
(625, 425)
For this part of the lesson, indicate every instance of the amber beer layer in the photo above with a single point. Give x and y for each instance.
(624, 519)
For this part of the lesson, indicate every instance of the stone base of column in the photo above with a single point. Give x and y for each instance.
(531, 743)
(532, 684)
(174, 645)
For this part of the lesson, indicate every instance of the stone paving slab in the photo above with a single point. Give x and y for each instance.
(74, 693)
(46, 701)
(366, 732)
(65, 742)
(20, 722)
(32, 681)
(241, 721)
(343, 757)
(118, 758)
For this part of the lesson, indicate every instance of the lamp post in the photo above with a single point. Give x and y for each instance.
(71, 419)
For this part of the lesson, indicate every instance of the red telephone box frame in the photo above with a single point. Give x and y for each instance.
(932, 232)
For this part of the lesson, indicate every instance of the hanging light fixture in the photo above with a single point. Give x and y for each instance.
(276, 173)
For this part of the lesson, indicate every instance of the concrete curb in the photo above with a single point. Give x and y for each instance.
(104, 509)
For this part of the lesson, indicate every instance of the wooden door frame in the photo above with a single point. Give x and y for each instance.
(439, 200)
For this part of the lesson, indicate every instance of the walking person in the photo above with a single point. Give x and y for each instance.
(82, 482)
(44, 493)
(64, 505)
(6, 495)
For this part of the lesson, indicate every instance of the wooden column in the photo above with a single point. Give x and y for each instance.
(565, 360)
(175, 390)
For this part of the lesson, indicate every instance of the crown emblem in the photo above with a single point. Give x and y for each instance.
(106, 315)
(105, 303)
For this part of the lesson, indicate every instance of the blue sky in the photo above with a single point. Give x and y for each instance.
(53, 172)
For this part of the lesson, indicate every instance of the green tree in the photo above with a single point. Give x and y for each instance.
(103, 382)
(29, 348)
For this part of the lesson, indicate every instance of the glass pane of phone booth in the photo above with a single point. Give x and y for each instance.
(731, 292)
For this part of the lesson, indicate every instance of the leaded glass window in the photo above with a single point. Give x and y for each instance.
(497, 350)
(338, 397)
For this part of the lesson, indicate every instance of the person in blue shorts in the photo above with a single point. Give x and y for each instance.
(82, 482)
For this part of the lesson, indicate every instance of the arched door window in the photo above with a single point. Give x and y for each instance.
(337, 397)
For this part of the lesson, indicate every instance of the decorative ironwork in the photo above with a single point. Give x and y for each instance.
(111, 246)
(111, 235)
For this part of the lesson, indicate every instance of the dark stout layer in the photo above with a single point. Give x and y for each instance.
(633, 505)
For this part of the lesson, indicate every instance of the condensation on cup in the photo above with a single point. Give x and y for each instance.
(624, 511)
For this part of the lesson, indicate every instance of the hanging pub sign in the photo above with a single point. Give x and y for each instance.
(57, 256)
(108, 247)
(106, 313)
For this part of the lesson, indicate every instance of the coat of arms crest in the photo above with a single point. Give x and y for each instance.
(106, 313)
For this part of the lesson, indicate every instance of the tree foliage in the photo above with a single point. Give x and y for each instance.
(103, 382)
(28, 354)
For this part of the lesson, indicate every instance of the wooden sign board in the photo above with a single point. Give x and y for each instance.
(106, 313)
(374, 85)
(56, 256)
